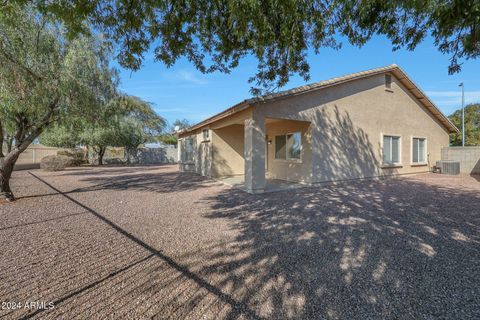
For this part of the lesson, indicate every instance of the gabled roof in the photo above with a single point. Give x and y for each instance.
(394, 69)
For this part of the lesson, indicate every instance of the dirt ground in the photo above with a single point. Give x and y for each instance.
(150, 242)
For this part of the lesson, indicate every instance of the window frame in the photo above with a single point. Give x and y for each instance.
(393, 164)
(185, 160)
(425, 155)
(286, 148)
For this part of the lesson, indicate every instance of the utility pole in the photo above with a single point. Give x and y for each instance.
(463, 113)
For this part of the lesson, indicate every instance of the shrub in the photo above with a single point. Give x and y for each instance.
(55, 163)
(77, 156)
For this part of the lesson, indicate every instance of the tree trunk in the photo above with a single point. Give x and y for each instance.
(1, 141)
(101, 153)
(87, 154)
(9, 144)
(132, 155)
(6, 168)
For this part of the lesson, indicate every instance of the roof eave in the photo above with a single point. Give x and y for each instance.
(427, 103)
(402, 76)
(225, 113)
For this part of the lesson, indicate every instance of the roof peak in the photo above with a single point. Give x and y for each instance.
(321, 83)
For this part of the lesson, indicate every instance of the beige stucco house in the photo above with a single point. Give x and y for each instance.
(366, 124)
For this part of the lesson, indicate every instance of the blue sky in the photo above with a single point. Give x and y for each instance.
(183, 92)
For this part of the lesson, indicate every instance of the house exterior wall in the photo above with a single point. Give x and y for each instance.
(228, 151)
(201, 162)
(223, 153)
(347, 122)
(342, 134)
(291, 170)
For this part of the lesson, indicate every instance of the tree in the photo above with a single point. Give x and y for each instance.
(99, 138)
(139, 124)
(180, 125)
(60, 136)
(472, 126)
(169, 137)
(44, 78)
(216, 34)
(123, 121)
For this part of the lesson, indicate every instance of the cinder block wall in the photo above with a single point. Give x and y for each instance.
(469, 158)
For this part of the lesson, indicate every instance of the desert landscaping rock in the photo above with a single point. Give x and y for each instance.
(150, 242)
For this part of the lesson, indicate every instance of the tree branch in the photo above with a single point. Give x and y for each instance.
(24, 68)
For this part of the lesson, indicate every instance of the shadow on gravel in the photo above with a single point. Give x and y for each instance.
(110, 169)
(379, 249)
(162, 182)
(238, 308)
(391, 249)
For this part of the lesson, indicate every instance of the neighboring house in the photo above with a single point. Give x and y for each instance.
(367, 124)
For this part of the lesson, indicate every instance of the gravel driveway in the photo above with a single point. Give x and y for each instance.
(143, 242)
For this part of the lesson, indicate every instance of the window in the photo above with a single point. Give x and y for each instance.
(206, 134)
(418, 150)
(391, 150)
(388, 81)
(280, 147)
(288, 146)
(188, 150)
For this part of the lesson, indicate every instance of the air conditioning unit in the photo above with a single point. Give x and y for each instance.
(449, 167)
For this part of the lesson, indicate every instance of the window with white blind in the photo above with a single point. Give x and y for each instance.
(419, 150)
(391, 150)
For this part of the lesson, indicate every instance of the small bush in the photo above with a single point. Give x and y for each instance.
(77, 156)
(55, 163)
(113, 161)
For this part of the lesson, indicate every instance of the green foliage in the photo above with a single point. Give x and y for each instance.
(216, 34)
(124, 121)
(131, 107)
(167, 139)
(99, 137)
(60, 137)
(472, 126)
(45, 78)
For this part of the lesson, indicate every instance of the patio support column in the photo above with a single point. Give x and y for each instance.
(255, 153)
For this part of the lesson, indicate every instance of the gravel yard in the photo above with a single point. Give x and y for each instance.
(143, 242)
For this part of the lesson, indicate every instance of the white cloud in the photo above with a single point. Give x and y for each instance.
(189, 76)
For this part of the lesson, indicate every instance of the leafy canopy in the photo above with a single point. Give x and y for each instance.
(472, 126)
(45, 78)
(216, 34)
(124, 121)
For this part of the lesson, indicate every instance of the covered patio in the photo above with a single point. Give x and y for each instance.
(261, 154)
